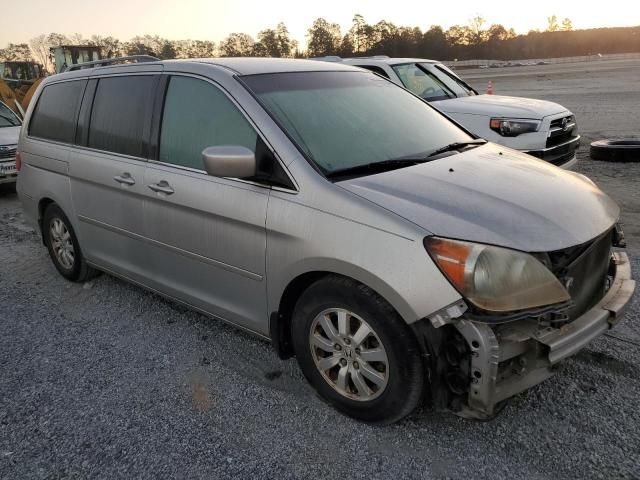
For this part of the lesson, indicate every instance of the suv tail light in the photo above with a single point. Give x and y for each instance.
(18, 161)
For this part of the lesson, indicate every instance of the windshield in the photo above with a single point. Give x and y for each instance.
(341, 120)
(7, 117)
(450, 79)
(422, 82)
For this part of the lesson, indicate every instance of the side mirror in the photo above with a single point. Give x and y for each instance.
(229, 161)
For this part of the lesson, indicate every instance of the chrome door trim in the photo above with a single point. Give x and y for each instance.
(194, 256)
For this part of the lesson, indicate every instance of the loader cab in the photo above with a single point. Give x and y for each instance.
(65, 56)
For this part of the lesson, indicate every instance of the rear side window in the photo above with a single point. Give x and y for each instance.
(120, 114)
(198, 115)
(55, 115)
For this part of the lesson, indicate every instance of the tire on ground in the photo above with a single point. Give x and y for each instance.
(616, 150)
(405, 370)
(79, 271)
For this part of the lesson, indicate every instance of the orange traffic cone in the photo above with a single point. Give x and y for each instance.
(490, 88)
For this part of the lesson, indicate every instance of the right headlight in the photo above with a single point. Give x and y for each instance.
(494, 278)
(512, 127)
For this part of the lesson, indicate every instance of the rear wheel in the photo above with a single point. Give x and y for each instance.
(63, 246)
(356, 351)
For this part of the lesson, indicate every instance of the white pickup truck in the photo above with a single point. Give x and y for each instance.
(543, 129)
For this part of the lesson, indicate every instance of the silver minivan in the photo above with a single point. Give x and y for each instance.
(400, 258)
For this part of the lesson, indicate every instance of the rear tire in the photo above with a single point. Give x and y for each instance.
(63, 246)
(356, 351)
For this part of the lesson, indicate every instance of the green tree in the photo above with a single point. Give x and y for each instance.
(552, 24)
(458, 35)
(323, 38)
(434, 43)
(346, 48)
(40, 47)
(203, 49)
(110, 47)
(58, 39)
(237, 45)
(286, 44)
(167, 51)
(567, 25)
(475, 34)
(275, 43)
(19, 52)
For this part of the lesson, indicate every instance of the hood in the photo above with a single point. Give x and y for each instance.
(499, 106)
(9, 135)
(494, 195)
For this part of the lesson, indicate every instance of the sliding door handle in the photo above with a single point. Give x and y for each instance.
(162, 187)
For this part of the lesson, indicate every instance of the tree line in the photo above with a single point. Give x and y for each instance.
(475, 40)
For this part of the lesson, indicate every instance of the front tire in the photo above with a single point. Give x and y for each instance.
(356, 351)
(63, 246)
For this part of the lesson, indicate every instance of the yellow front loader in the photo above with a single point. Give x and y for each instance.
(18, 82)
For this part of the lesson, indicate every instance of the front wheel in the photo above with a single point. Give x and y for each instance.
(356, 351)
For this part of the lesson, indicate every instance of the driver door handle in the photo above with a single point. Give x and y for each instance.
(162, 187)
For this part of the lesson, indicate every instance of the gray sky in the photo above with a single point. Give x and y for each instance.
(215, 19)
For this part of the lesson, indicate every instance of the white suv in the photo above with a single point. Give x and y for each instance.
(540, 128)
(9, 132)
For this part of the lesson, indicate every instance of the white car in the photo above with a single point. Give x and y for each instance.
(9, 133)
(540, 128)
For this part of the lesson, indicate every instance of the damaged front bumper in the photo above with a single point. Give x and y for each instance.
(508, 359)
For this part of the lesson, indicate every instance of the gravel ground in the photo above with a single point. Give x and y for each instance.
(107, 380)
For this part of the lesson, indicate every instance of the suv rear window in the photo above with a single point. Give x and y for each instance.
(121, 110)
(55, 115)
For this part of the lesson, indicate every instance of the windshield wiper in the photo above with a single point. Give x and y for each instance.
(377, 167)
(395, 163)
(457, 146)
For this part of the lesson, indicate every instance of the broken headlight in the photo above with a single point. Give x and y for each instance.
(494, 278)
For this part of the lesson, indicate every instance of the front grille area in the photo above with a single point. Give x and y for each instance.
(558, 157)
(561, 130)
(583, 270)
(558, 121)
(8, 153)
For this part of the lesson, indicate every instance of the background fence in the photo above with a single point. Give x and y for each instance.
(584, 58)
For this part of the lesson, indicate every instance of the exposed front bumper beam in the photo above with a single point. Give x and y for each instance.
(509, 359)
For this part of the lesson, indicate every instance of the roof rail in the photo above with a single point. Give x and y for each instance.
(110, 61)
(327, 58)
(374, 57)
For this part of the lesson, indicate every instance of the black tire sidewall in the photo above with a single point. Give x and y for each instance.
(52, 212)
(406, 375)
(604, 150)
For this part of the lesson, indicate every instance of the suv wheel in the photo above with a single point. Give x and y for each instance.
(63, 246)
(356, 351)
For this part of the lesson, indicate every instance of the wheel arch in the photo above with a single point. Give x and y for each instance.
(43, 203)
(280, 319)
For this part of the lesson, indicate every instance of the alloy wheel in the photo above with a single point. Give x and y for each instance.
(61, 243)
(349, 354)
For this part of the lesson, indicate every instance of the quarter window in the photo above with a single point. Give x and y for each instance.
(121, 110)
(198, 115)
(55, 115)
